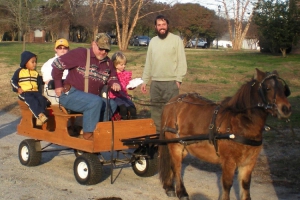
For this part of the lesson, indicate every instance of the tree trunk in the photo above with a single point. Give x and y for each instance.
(127, 14)
(95, 32)
(283, 52)
(13, 36)
(239, 16)
(24, 42)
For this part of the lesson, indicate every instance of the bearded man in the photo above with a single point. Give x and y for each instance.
(166, 66)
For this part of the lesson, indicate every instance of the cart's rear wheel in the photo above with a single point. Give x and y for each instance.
(88, 169)
(145, 166)
(29, 152)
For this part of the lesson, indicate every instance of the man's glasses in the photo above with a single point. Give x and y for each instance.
(102, 49)
(64, 48)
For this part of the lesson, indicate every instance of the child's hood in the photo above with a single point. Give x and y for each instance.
(25, 57)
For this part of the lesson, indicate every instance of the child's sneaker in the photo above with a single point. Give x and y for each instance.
(42, 118)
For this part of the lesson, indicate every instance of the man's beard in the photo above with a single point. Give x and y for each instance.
(164, 35)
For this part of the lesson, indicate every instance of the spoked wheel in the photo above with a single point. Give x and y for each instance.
(29, 152)
(146, 164)
(87, 169)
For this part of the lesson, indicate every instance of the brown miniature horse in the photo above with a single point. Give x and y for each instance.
(232, 132)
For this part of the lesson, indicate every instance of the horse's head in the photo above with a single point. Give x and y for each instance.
(273, 92)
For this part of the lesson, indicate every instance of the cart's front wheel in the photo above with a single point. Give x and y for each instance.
(29, 152)
(87, 169)
(145, 166)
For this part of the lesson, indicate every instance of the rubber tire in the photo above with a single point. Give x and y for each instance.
(87, 169)
(28, 154)
(149, 166)
(205, 46)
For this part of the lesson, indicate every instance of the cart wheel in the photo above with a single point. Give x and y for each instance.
(145, 166)
(78, 152)
(28, 154)
(87, 169)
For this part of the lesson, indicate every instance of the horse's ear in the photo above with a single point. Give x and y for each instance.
(259, 75)
(275, 72)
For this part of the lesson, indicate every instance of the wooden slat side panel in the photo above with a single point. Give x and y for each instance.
(122, 130)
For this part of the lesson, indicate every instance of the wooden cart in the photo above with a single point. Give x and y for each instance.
(107, 138)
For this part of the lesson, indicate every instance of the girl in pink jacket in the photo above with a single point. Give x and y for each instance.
(126, 107)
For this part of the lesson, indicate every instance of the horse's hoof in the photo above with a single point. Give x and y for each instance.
(171, 193)
(185, 198)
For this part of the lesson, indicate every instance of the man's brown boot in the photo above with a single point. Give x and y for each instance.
(88, 135)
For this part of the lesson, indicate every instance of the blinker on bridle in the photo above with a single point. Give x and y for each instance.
(267, 105)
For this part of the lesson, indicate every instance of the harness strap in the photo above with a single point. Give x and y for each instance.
(212, 130)
(195, 139)
(87, 70)
(172, 130)
(243, 140)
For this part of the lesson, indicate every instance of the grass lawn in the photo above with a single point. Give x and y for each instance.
(214, 73)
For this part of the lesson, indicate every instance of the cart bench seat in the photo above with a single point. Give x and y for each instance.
(60, 110)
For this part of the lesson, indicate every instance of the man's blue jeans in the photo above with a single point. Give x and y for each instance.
(92, 107)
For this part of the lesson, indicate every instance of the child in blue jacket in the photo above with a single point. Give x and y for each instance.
(25, 82)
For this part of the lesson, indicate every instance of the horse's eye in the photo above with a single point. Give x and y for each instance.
(268, 89)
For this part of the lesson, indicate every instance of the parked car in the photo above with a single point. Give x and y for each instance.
(192, 43)
(114, 39)
(140, 41)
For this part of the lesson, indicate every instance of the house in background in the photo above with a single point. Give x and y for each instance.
(37, 36)
(249, 43)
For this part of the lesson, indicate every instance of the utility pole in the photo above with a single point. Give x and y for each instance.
(219, 8)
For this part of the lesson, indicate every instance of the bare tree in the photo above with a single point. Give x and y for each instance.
(56, 17)
(4, 26)
(23, 15)
(127, 13)
(97, 8)
(242, 13)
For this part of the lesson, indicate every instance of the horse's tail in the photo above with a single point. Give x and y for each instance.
(165, 162)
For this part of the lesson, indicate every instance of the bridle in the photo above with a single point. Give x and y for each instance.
(261, 91)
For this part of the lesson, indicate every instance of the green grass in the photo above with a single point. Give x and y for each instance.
(212, 73)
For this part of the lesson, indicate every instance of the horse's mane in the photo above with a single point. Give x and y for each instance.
(241, 102)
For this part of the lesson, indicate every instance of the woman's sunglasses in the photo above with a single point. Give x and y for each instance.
(60, 47)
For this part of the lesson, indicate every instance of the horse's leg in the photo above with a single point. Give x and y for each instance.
(178, 153)
(228, 169)
(166, 174)
(244, 177)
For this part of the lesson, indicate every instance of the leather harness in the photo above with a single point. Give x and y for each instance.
(213, 134)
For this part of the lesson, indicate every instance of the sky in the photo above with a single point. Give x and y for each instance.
(210, 4)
